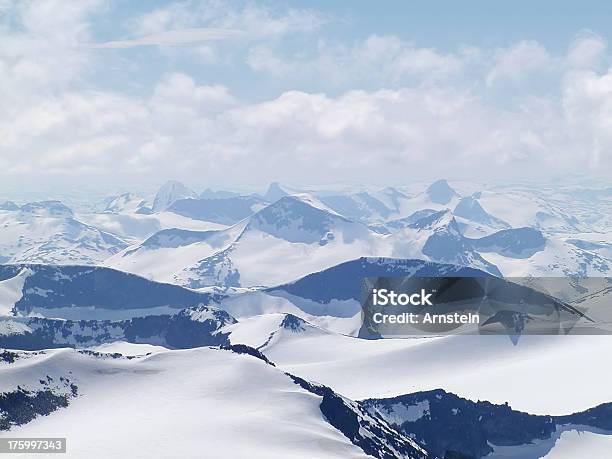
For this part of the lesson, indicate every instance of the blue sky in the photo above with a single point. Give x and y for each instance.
(224, 93)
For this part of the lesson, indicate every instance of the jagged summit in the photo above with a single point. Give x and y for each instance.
(436, 219)
(275, 192)
(440, 192)
(47, 209)
(470, 209)
(126, 202)
(9, 205)
(297, 218)
(170, 192)
(513, 243)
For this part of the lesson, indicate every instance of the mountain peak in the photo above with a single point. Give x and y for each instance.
(170, 192)
(293, 323)
(47, 209)
(125, 202)
(471, 209)
(298, 218)
(440, 192)
(436, 219)
(9, 205)
(275, 192)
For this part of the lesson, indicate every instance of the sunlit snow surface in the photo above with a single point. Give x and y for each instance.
(171, 399)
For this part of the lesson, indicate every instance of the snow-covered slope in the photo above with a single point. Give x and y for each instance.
(331, 297)
(127, 203)
(555, 258)
(361, 206)
(47, 232)
(437, 196)
(288, 239)
(437, 237)
(170, 192)
(521, 208)
(539, 374)
(201, 402)
(282, 242)
(136, 227)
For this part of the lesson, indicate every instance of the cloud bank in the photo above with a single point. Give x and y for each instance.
(385, 109)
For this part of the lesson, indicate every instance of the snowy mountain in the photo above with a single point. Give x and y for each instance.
(440, 192)
(170, 192)
(252, 408)
(359, 206)
(9, 205)
(278, 294)
(188, 328)
(127, 203)
(79, 292)
(275, 192)
(513, 243)
(474, 220)
(47, 392)
(531, 374)
(331, 298)
(532, 208)
(135, 227)
(289, 239)
(557, 258)
(48, 232)
(224, 211)
(437, 236)
(217, 194)
(447, 423)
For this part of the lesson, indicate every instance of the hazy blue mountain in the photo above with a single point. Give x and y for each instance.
(208, 193)
(440, 192)
(125, 203)
(188, 328)
(446, 244)
(225, 211)
(47, 209)
(275, 192)
(359, 206)
(9, 205)
(470, 209)
(84, 289)
(513, 243)
(412, 218)
(170, 192)
(343, 282)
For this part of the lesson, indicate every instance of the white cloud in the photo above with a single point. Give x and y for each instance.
(376, 58)
(587, 103)
(519, 61)
(416, 117)
(254, 21)
(199, 132)
(585, 51)
(263, 59)
(43, 50)
(172, 38)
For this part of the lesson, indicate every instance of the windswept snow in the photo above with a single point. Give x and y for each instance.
(540, 374)
(192, 404)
